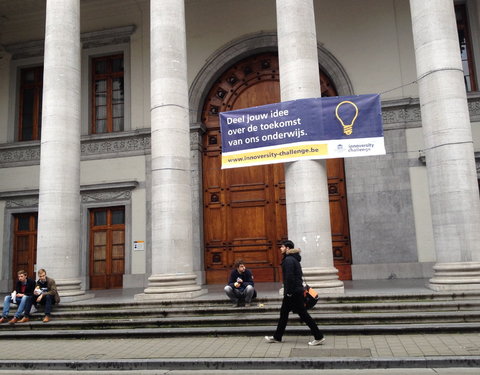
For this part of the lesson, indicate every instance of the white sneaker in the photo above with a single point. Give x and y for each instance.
(270, 339)
(317, 342)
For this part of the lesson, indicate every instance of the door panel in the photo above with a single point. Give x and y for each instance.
(24, 244)
(107, 248)
(245, 208)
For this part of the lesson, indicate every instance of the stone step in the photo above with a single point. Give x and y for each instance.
(341, 299)
(243, 320)
(217, 315)
(215, 308)
(292, 329)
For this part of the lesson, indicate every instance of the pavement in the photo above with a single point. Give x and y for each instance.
(392, 354)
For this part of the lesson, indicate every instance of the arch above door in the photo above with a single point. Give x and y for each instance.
(248, 45)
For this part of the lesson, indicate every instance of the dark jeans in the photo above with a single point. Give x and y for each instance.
(46, 300)
(295, 304)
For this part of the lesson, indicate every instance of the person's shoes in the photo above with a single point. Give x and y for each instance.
(235, 304)
(4, 319)
(25, 319)
(317, 342)
(248, 304)
(271, 339)
(46, 319)
(13, 321)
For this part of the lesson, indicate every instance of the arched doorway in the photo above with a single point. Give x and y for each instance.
(244, 208)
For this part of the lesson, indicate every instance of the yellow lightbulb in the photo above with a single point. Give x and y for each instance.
(347, 128)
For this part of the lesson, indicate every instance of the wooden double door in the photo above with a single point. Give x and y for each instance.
(245, 208)
(24, 244)
(107, 247)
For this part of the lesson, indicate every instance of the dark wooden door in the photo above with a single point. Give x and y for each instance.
(244, 208)
(24, 244)
(107, 247)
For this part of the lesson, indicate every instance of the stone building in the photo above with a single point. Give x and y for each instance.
(110, 145)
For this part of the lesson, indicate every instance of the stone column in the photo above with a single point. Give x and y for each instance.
(308, 210)
(449, 152)
(172, 255)
(58, 240)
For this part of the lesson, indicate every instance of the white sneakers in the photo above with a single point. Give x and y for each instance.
(271, 339)
(317, 342)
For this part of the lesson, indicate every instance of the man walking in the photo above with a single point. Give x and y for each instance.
(240, 285)
(293, 299)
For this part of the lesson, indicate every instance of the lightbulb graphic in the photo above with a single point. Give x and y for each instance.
(347, 127)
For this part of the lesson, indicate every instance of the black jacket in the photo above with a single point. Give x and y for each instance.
(28, 290)
(247, 278)
(292, 272)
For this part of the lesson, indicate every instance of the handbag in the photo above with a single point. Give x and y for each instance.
(310, 296)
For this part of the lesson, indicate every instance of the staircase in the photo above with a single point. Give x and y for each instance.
(213, 315)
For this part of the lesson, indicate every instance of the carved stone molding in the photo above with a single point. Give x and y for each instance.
(403, 112)
(406, 112)
(106, 192)
(27, 202)
(92, 147)
(107, 37)
(106, 196)
(35, 48)
(19, 154)
(117, 145)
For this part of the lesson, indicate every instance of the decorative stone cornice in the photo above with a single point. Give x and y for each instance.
(99, 146)
(110, 192)
(35, 48)
(118, 35)
(106, 192)
(405, 113)
(106, 196)
(26, 202)
(19, 153)
(115, 144)
(401, 113)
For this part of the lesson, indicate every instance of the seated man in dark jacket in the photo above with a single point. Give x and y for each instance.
(22, 296)
(240, 285)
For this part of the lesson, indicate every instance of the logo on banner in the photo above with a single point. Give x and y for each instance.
(347, 117)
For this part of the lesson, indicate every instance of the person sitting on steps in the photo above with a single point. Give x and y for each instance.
(46, 293)
(21, 296)
(240, 285)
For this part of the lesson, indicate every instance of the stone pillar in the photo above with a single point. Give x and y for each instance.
(449, 152)
(308, 210)
(172, 255)
(58, 240)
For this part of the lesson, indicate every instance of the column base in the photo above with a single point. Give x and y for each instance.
(171, 286)
(455, 277)
(69, 290)
(323, 279)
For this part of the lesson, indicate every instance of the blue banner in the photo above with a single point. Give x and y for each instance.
(317, 128)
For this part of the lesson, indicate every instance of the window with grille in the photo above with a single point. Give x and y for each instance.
(108, 94)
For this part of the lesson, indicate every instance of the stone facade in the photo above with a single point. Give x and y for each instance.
(391, 226)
